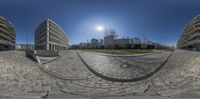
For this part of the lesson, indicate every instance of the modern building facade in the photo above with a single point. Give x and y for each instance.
(147, 44)
(190, 36)
(136, 43)
(101, 44)
(24, 47)
(82, 45)
(109, 39)
(136, 40)
(109, 42)
(7, 35)
(94, 43)
(128, 43)
(50, 36)
(123, 43)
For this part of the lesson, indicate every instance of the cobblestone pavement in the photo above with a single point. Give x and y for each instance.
(124, 67)
(21, 76)
(69, 76)
(181, 74)
(85, 82)
(68, 66)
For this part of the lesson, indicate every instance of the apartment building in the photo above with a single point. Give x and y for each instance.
(7, 35)
(190, 36)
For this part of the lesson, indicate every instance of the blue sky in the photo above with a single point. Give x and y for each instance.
(158, 20)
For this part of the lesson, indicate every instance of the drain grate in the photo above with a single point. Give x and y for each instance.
(124, 65)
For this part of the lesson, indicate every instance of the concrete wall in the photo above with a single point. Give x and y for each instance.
(32, 54)
(47, 53)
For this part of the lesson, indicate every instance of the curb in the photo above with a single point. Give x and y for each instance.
(51, 60)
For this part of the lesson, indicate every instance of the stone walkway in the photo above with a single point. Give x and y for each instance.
(124, 68)
(85, 82)
(21, 76)
(68, 66)
(69, 77)
(181, 74)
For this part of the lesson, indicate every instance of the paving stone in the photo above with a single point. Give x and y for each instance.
(22, 76)
(124, 67)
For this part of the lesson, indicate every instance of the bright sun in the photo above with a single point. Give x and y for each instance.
(100, 28)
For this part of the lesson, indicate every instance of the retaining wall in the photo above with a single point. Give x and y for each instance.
(47, 53)
(32, 54)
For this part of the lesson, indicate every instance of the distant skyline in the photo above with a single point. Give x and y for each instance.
(157, 20)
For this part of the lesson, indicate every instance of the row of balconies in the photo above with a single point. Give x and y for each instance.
(41, 40)
(58, 34)
(57, 40)
(39, 28)
(185, 36)
(53, 34)
(191, 37)
(41, 31)
(41, 35)
(63, 45)
(6, 42)
(7, 31)
(6, 37)
(197, 41)
(190, 34)
(56, 27)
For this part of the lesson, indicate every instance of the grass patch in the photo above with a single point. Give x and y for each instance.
(124, 52)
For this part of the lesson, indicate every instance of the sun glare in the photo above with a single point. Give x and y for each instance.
(100, 28)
